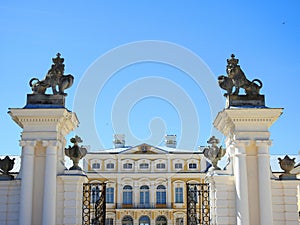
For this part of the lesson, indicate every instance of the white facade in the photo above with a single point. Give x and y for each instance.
(147, 183)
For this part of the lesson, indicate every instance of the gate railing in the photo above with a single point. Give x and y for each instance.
(93, 204)
(198, 207)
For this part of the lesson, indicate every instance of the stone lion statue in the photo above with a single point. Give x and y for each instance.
(236, 78)
(55, 79)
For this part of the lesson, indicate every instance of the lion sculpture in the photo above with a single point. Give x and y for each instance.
(55, 79)
(236, 78)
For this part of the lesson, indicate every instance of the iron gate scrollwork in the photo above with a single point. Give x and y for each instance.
(198, 208)
(93, 204)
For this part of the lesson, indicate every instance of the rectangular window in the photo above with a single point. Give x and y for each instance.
(127, 166)
(192, 166)
(178, 165)
(96, 165)
(179, 195)
(160, 166)
(110, 166)
(110, 195)
(144, 166)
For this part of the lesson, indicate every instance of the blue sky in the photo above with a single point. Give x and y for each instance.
(264, 35)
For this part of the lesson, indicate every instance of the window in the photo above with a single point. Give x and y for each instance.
(95, 194)
(110, 195)
(192, 166)
(127, 194)
(179, 195)
(144, 220)
(127, 220)
(178, 165)
(110, 166)
(179, 221)
(144, 166)
(109, 221)
(161, 195)
(161, 220)
(127, 166)
(160, 166)
(96, 166)
(144, 196)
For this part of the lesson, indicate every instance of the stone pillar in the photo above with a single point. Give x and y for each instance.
(26, 195)
(241, 183)
(73, 198)
(247, 132)
(49, 203)
(264, 185)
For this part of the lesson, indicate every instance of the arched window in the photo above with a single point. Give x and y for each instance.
(161, 220)
(144, 196)
(161, 194)
(127, 220)
(144, 220)
(127, 194)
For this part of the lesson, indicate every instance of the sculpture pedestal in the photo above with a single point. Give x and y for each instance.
(245, 100)
(50, 101)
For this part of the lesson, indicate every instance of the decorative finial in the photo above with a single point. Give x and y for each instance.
(214, 153)
(6, 165)
(287, 164)
(75, 153)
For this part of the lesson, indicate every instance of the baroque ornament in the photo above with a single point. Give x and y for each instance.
(75, 153)
(214, 153)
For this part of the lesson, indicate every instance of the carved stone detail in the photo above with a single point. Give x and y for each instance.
(54, 79)
(75, 153)
(287, 164)
(214, 153)
(237, 79)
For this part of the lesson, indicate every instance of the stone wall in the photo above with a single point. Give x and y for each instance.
(284, 199)
(9, 202)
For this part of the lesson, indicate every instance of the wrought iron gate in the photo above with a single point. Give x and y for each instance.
(198, 208)
(93, 204)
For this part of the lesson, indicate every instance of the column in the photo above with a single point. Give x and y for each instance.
(241, 183)
(49, 203)
(264, 182)
(27, 165)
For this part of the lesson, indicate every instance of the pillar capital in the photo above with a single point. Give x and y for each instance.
(30, 143)
(51, 143)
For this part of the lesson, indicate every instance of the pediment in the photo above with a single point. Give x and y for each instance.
(144, 149)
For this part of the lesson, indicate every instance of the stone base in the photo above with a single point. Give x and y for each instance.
(245, 100)
(288, 177)
(6, 177)
(44, 100)
(74, 172)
